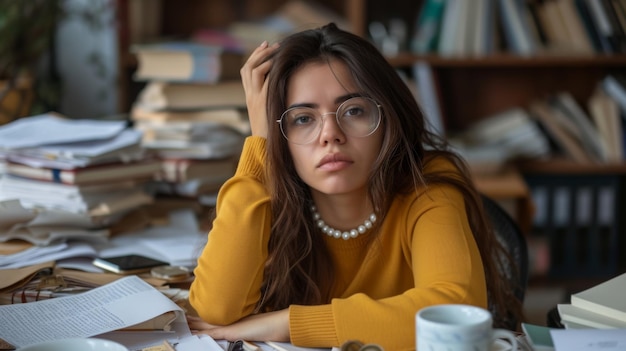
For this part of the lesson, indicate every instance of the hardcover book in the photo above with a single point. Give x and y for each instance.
(182, 170)
(568, 144)
(159, 96)
(92, 174)
(605, 113)
(186, 61)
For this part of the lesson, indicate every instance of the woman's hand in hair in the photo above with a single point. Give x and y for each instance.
(270, 326)
(253, 74)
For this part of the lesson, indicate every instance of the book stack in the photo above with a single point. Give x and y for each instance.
(489, 144)
(83, 174)
(193, 178)
(586, 133)
(191, 112)
(556, 126)
(601, 306)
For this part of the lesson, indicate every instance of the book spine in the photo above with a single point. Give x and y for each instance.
(618, 35)
(428, 27)
(449, 24)
(516, 28)
(588, 22)
(205, 68)
(616, 90)
(579, 38)
(533, 9)
(429, 98)
(602, 25)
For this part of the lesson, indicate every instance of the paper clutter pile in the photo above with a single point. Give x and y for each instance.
(73, 177)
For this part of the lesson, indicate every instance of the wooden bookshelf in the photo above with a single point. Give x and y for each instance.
(469, 88)
(179, 19)
(474, 88)
(561, 166)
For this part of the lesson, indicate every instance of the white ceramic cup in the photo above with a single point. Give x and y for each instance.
(76, 344)
(452, 327)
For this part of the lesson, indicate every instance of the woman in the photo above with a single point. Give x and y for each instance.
(345, 216)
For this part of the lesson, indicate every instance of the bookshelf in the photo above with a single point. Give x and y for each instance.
(473, 88)
(178, 19)
(469, 88)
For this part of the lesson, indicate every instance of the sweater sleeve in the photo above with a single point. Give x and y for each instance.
(439, 258)
(229, 272)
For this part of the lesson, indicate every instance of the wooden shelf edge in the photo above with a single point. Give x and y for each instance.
(562, 166)
(509, 60)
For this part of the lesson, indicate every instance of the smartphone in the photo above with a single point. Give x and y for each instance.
(127, 264)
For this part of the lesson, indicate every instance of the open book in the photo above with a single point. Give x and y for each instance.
(128, 310)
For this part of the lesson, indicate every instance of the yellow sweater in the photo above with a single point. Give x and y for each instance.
(425, 254)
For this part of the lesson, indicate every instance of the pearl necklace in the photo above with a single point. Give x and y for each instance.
(353, 233)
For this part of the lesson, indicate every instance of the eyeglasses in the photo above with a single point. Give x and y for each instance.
(357, 117)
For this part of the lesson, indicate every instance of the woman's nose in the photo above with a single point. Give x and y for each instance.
(331, 132)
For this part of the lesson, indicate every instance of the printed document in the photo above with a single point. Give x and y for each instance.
(589, 339)
(117, 305)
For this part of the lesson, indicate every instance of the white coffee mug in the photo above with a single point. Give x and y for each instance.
(453, 327)
(75, 344)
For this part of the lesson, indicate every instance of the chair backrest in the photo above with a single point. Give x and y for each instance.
(510, 235)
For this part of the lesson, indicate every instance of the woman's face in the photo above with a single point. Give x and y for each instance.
(333, 163)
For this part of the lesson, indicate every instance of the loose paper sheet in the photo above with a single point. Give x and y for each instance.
(49, 128)
(589, 339)
(120, 304)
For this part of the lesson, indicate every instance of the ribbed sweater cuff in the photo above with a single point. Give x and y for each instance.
(252, 159)
(312, 326)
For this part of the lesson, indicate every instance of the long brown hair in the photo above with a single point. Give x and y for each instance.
(298, 269)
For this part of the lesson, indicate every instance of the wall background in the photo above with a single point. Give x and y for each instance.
(87, 59)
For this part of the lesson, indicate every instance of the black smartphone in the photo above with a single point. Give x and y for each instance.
(127, 264)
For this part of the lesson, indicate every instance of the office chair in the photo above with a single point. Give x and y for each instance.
(510, 235)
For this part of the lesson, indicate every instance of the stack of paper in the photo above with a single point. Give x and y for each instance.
(199, 148)
(178, 243)
(540, 338)
(49, 140)
(72, 175)
(602, 306)
(195, 161)
(46, 227)
(192, 112)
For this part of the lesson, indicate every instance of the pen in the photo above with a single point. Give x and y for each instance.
(235, 345)
(242, 345)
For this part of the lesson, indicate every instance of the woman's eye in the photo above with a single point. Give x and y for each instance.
(354, 111)
(302, 119)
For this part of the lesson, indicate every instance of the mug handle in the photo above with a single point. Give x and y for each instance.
(508, 335)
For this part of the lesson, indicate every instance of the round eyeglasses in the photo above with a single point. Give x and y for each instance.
(357, 117)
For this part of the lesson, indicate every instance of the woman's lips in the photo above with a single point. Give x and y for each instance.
(334, 162)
